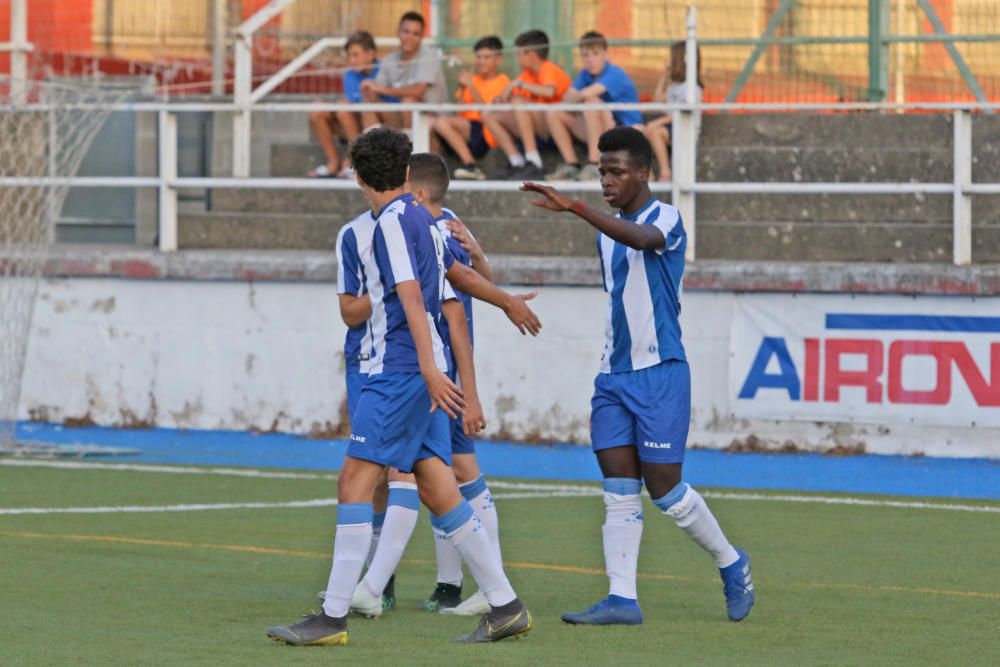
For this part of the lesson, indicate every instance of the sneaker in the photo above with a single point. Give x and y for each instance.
(738, 587)
(529, 172)
(469, 172)
(322, 171)
(589, 172)
(316, 630)
(513, 620)
(613, 610)
(564, 172)
(389, 594)
(475, 605)
(366, 604)
(444, 596)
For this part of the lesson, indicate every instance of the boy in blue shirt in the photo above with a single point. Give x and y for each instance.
(362, 60)
(600, 81)
(641, 409)
(397, 421)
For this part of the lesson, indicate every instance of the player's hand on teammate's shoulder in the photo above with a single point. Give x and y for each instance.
(521, 315)
(551, 199)
(444, 393)
(473, 420)
(464, 237)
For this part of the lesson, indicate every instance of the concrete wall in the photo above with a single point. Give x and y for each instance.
(248, 355)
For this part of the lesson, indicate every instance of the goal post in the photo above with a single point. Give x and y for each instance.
(45, 131)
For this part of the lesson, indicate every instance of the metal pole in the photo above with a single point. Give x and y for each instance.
(21, 47)
(963, 67)
(167, 173)
(219, 22)
(684, 156)
(421, 130)
(878, 50)
(900, 73)
(242, 81)
(758, 50)
(962, 201)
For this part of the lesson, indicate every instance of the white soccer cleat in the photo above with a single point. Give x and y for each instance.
(364, 603)
(475, 605)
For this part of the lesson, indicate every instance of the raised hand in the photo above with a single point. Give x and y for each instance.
(551, 199)
(521, 315)
(464, 237)
(444, 394)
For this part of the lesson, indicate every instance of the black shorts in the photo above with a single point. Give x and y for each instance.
(477, 140)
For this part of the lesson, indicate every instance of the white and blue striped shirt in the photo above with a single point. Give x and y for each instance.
(406, 246)
(644, 285)
(354, 241)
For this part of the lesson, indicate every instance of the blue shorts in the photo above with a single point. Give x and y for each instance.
(649, 409)
(477, 140)
(355, 382)
(393, 425)
(460, 443)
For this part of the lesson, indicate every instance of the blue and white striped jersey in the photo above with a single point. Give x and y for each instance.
(461, 256)
(645, 285)
(406, 246)
(354, 241)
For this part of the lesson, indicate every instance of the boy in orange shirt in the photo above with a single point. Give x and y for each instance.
(464, 132)
(540, 81)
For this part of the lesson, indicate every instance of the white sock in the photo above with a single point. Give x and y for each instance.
(478, 495)
(516, 160)
(534, 158)
(622, 534)
(350, 546)
(377, 521)
(400, 520)
(449, 562)
(466, 532)
(688, 509)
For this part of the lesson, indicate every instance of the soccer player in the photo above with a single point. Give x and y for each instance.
(428, 182)
(641, 408)
(401, 419)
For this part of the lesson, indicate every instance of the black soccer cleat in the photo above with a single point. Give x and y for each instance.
(444, 596)
(511, 621)
(316, 630)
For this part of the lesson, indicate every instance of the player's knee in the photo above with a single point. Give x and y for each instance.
(466, 468)
(317, 116)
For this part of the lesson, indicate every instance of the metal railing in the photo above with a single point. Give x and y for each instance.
(684, 188)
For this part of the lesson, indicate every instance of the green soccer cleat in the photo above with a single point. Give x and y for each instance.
(316, 630)
(389, 594)
(513, 620)
(443, 597)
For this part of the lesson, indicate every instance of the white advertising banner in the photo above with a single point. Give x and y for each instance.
(874, 359)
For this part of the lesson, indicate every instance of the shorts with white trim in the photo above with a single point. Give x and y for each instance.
(649, 409)
(393, 425)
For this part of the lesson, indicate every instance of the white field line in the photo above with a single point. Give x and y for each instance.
(543, 490)
(202, 507)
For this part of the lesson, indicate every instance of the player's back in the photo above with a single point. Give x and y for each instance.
(644, 287)
(405, 248)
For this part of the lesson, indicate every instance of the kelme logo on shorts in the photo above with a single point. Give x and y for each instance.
(358, 438)
(656, 445)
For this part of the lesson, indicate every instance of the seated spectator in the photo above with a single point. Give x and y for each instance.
(411, 74)
(672, 88)
(540, 81)
(362, 64)
(600, 81)
(465, 133)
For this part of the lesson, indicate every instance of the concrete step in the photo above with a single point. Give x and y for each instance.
(825, 208)
(850, 164)
(851, 130)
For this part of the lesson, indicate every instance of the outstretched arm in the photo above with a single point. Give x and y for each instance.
(514, 306)
(639, 237)
(473, 420)
(444, 393)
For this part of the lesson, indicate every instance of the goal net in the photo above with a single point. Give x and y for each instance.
(45, 130)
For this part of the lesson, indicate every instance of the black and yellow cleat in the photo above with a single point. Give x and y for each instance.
(445, 596)
(511, 621)
(316, 630)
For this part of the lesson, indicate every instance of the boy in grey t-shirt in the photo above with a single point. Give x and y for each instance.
(411, 74)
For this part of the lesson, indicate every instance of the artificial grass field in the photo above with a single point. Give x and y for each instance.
(836, 584)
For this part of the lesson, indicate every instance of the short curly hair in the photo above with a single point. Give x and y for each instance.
(630, 140)
(380, 157)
